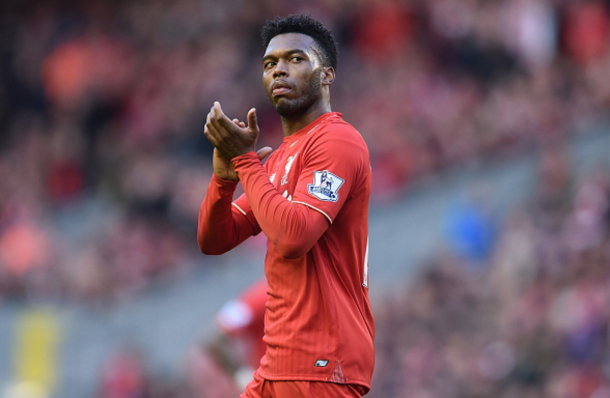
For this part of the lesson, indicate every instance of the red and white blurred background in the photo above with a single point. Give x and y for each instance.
(487, 123)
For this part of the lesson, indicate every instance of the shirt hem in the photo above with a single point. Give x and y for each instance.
(323, 379)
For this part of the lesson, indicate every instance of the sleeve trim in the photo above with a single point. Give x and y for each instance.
(240, 209)
(315, 208)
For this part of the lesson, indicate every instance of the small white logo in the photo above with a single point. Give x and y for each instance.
(287, 169)
(320, 363)
(272, 177)
(325, 186)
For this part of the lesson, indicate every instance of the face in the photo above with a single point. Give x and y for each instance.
(293, 75)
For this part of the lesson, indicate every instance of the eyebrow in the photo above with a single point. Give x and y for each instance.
(287, 52)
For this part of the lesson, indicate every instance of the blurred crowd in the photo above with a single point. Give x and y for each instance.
(103, 163)
(525, 314)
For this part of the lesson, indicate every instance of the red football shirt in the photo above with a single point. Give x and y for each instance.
(318, 325)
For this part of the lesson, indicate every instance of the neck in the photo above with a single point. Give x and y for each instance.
(291, 125)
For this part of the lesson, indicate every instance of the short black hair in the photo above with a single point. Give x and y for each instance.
(308, 26)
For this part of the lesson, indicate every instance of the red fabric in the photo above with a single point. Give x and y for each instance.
(293, 229)
(261, 388)
(311, 199)
(587, 31)
(221, 227)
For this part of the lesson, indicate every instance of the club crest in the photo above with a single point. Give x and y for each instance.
(287, 169)
(325, 186)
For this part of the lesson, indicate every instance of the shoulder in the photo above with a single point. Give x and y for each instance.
(340, 136)
(338, 148)
(338, 125)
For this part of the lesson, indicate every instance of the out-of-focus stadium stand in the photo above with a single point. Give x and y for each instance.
(103, 165)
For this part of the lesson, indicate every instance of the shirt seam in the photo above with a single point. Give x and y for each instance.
(315, 208)
(239, 208)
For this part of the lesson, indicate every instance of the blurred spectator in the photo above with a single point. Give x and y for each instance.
(587, 31)
(125, 374)
(223, 364)
(471, 228)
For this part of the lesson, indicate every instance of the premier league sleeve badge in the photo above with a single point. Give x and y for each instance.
(325, 186)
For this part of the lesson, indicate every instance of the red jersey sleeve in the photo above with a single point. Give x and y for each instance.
(292, 228)
(221, 226)
(332, 164)
(243, 206)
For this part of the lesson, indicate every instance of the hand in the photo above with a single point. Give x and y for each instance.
(224, 169)
(231, 137)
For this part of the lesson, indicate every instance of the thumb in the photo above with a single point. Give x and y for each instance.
(264, 152)
(252, 120)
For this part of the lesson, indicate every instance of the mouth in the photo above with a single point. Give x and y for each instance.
(280, 87)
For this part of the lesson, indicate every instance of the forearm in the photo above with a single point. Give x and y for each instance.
(292, 228)
(217, 230)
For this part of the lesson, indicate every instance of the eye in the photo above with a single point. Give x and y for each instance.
(296, 59)
(268, 64)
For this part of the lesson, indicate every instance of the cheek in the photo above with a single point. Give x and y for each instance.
(267, 76)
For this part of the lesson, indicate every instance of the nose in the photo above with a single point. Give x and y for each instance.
(280, 69)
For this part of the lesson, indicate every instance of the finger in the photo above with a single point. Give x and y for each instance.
(264, 152)
(240, 124)
(218, 111)
(219, 119)
(217, 108)
(252, 120)
(215, 117)
(211, 133)
(211, 117)
(212, 127)
(208, 117)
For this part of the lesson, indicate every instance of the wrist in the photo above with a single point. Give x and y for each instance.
(245, 158)
(224, 183)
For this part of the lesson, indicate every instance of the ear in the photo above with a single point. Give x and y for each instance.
(328, 75)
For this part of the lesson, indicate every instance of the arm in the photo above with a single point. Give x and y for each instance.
(221, 226)
(292, 227)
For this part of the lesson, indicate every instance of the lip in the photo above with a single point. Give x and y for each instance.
(280, 87)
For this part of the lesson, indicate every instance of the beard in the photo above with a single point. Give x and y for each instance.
(291, 108)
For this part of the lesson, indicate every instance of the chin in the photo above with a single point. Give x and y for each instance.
(287, 108)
